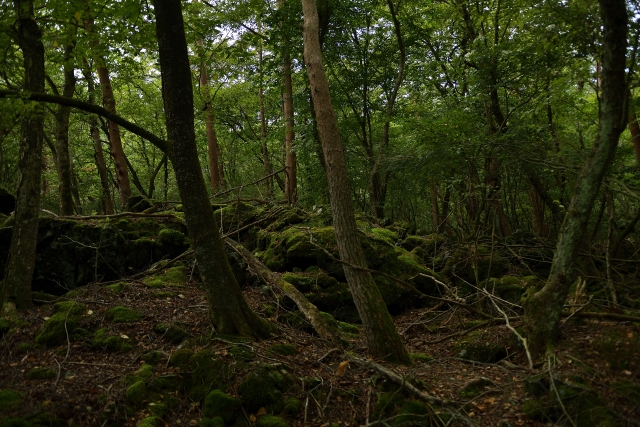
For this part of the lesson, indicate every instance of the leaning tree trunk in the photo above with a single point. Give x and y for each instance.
(229, 311)
(22, 253)
(382, 337)
(63, 163)
(543, 308)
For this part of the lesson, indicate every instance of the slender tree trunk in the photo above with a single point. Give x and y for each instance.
(107, 201)
(213, 149)
(634, 128)
(22, 253)
(266, 161)
(291, 181)
(435, 213)
(382, 337)
(229, 311)
(63, 163)
(543, 308)
(109, 102)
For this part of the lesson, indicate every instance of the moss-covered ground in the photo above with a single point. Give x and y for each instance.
(141, 352)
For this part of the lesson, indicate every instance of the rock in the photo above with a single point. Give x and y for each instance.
(119, 314)
(220, 404)
(137, 392)
(152, 357)
(173, 277)
(271, 421)
(175, 332)
(65, 320)
(264, 388)
(170, 243)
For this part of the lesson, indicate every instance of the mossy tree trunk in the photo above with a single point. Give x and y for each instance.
(22, 253)
(229, 310)
(382, 337)
(63, 162)
(543, 308)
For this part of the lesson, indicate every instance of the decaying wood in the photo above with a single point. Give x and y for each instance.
(309, 310)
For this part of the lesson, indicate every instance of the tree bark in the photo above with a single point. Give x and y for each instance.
(544, 308)
(382, 337)
(291, 180)
(107, 201)
(213, 150)
(266, 161)
(634, 128)
(109, 102)
(63, 164)
(229, 311)
(22, 253)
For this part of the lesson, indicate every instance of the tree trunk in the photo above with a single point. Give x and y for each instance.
(435, 213)
(213, 149)
(229, 311)
(63, 163)
(266, 161)
(291, 180)
(543, 308)
(382, 337)
(109, 102)
(22, 253)
(107, 201)
(634, 128)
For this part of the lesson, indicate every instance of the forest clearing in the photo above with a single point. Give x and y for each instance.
(332, 213)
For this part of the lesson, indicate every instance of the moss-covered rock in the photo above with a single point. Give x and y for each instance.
(117, 288)
(412, 413)
(150, 422)
(24, 347)
(510, 288)
(272, 421)
(39, 419)
(43, 298)
(170, 243)
(145, 372)
(479, 348)
(174, 276)
(119, 314)
(203, 372)
(264, 388)
(41, 374)
(175, 332)
(283, 349)
(137, 392)
(65, 320)
(115, 343)
(180, 358)
(152, 357)
(9, 400)
(236, 215)
(422, 358)
(220, 404)
(292, 407)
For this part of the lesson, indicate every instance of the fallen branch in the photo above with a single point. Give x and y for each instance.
(118, 215)
(240, 187)
(309, 310)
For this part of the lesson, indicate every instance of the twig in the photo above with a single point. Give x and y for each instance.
(553, 385)
(328, 353)
(512, 329)
(582, 307)
(462, 333)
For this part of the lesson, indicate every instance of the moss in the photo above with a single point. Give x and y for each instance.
(137, 392)
(9, 400)
(283, 349)
(420, 357)
(42, 298)
(206, 373)
(212, 422)
(150, 422)
(116, 288)
(119, 314)
(264, 388)
(158, 409)
(170, 243)
(41, 374)
(510, 288)
(113, 343)
(180, 358)
(235, 215)
(5, 325)
(152, 357)
(412, 413)
(477, 347)
(174, 276)
(348, 328)
(241, 353)
(387, 404)
(220, 404)
(272, 421)
(145, 372)
(39, 419)
(175, 332)
(618, 349)
(65, 320)
(533, 409)
(292, 407)
(25, 347)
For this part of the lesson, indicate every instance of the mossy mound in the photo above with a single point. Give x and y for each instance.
(422, 358)
(212, 422)
(292, 407)
(479, 347)
(9, 400)
(137, 392)
(469, 262)
(220, 404)
(173, 277)
(152, 357)
(203, 372)
(170, 243)
(65, 320)
(120, 314)
(283, 349)
(116, 288)
(40, 419)
(43, 298)
(510, 288)
(25, 347)
(175, 332)
(272, 421)
(41, 374)
(114, 343)
(235, 216)
(150, 422)
(265, 387)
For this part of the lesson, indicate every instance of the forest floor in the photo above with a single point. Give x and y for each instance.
(595, 374)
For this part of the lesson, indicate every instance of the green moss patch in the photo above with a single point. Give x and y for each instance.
(220, 404)
(9, 400)
(172, 277)
(65, 320)
(420, 357)
(152, 357)
(212, 422)
(264, 388)
(150, 422)
(479, 348)
(119, 314)
(283, 349)
(41, 374)
(137, 392)
(116, 288)
(272, 421)
(113, 343)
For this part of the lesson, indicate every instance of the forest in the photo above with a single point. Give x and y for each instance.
(319, 213)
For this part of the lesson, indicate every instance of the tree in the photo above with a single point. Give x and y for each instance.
(382, 337)
(19, 270)
(229, 311)
(544, 307)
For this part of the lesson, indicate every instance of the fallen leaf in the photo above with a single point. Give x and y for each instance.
(626, 372)
(124, 337)
(252, 418)
(342, 367)
(630, 334)
(89, 312)
(262, 411)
